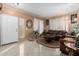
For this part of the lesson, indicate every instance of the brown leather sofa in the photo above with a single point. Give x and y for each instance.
(54, 34)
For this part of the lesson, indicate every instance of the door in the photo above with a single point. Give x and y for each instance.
(9, 29)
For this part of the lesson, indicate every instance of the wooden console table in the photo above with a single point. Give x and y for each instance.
(49, 38)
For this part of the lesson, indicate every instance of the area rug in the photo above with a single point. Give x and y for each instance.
(31, 39)
(52, 44)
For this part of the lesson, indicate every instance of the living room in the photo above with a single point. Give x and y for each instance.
(41, 31)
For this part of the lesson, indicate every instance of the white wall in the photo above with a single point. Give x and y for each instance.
(9, 29)
(60, 23)
(0, 28)
(22, 27)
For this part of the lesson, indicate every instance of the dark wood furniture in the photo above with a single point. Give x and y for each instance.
(63, 47)
(71, 49)
(49, 37)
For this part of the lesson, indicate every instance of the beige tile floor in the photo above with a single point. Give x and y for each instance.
(28, 48)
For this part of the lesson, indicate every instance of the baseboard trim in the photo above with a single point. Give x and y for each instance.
(9, 43)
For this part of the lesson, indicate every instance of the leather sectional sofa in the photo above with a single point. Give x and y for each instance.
(54, 34)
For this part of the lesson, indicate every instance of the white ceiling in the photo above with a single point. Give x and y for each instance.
(48, 9)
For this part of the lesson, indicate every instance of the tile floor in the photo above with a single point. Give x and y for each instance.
(28, 48)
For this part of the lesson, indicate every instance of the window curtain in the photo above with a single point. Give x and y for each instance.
(38, 25)
(59, 24)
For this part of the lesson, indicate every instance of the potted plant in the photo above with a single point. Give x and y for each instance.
(77, 41)
(72, 33)
(75, 30)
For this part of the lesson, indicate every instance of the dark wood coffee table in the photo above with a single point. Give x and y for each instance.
(70, 47)
(49, 38)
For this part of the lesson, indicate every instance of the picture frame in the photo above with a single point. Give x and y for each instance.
(74, 18)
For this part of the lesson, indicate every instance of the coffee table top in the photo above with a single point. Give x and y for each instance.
(69, 40)
(70, 45)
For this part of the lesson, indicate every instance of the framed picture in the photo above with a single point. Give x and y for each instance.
(74, 18)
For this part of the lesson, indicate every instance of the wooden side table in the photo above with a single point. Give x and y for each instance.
(70, 47)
